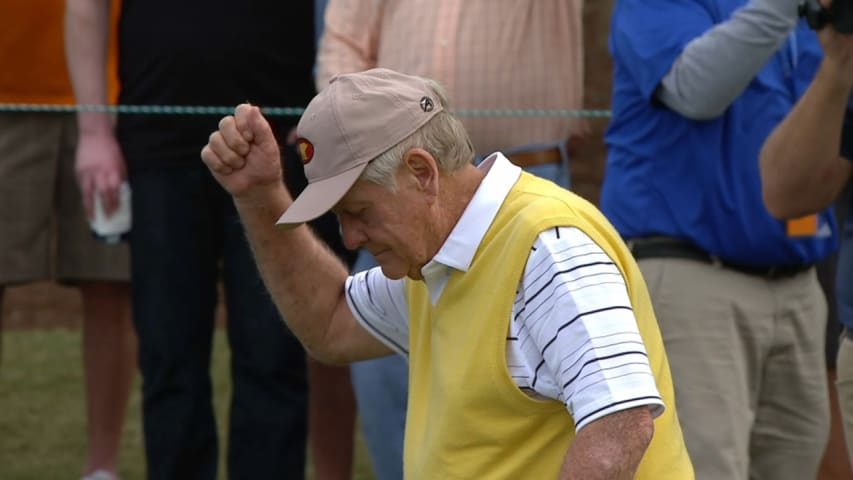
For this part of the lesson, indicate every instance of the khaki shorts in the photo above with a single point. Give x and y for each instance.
(44, 234)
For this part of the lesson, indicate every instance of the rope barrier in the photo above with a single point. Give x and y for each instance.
(272, 111)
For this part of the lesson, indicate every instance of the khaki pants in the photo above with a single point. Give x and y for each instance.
(748, 365)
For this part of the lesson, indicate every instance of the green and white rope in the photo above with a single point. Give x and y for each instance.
(272, 111)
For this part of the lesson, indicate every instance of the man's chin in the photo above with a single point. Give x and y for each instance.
(391, 272)
(394, 272)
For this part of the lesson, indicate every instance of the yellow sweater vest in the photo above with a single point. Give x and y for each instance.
(467, 419)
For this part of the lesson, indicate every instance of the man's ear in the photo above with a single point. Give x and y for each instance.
(422, 167)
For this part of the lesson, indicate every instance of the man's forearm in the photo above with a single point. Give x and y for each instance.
(801, 168)
(86, 41)
(609, 448)
(303, 276)
(714, 68)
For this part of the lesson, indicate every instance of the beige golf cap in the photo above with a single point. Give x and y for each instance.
(356, 118)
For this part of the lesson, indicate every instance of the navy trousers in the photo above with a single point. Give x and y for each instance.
(187, 235)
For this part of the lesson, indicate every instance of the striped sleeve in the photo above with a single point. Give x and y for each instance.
(577, 330)
(379, 304)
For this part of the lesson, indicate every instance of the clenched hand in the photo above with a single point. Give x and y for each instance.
(244, 157)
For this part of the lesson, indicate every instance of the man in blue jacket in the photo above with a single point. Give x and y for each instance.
(698, 86)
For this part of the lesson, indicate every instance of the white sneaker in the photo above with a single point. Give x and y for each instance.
(100, 475)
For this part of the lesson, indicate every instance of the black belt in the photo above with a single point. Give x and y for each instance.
(667, 247)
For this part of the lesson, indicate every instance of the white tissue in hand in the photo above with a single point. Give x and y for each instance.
(113, 226)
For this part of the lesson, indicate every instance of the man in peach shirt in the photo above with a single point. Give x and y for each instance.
(504, 55)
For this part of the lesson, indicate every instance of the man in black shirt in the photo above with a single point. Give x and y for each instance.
(185, 228)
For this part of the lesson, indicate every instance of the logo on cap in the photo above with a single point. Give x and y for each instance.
(306, 149)
(426, 104)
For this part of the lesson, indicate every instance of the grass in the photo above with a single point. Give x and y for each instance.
(42, 410)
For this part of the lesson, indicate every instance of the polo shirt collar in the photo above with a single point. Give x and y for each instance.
(461, 245)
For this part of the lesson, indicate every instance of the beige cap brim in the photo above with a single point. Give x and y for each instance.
(319, 197)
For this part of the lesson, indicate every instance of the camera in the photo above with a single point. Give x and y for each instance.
(839, 15)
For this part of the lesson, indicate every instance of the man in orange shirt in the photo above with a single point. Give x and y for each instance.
(45, 235)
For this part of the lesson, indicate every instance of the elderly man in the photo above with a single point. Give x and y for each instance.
(533, 349)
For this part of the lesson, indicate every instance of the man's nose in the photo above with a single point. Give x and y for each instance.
(351, 233)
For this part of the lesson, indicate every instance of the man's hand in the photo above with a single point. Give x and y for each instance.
(243, 156)
(100, 169)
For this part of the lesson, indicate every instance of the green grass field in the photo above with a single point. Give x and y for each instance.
(42, 410)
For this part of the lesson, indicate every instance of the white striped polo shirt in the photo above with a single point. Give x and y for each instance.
(572, 336)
